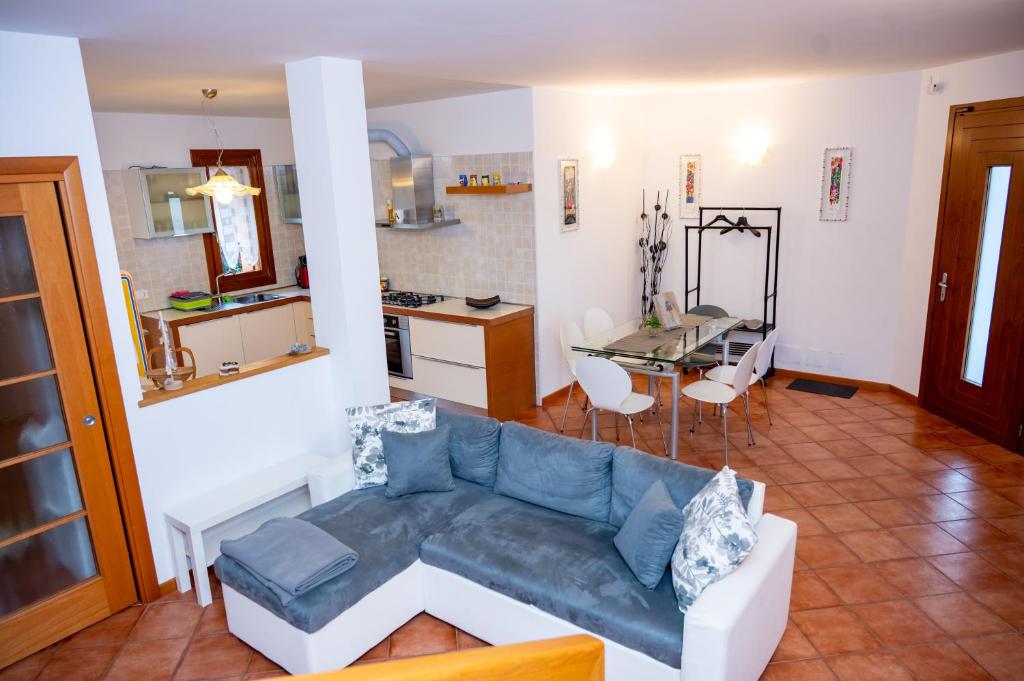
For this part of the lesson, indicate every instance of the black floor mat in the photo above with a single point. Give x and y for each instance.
(822, 388)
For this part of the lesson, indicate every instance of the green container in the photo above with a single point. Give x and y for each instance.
(191, 301)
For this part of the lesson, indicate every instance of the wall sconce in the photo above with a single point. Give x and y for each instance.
(602, 148)
(752, 143)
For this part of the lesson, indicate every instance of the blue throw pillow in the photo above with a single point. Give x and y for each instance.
(417, 462)
(561, 473)
(473, 447)
(633, 472)
(650, 534)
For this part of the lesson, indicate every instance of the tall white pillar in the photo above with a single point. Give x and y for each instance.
(332, 158)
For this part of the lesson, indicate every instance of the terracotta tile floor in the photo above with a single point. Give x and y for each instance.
(910, 556)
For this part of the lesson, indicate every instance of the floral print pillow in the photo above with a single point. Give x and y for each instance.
(365, 424)
(717, 536)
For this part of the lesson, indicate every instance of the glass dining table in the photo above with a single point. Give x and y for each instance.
(661, 355)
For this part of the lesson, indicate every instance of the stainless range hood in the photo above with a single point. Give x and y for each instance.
(412, 190)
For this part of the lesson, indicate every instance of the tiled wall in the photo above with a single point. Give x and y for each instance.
(161, 266)
(491, 252)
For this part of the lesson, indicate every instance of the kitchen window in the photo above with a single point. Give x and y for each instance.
(240, 246)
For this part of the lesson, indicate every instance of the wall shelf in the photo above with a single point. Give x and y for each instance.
(491, 189)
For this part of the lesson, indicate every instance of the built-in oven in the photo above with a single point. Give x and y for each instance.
(396, 341)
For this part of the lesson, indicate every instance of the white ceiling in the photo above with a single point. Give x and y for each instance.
(155, 55)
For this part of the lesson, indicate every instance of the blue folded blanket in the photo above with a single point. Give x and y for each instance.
(290, 556)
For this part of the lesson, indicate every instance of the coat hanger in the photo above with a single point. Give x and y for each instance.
(741, 224)
(718, 218)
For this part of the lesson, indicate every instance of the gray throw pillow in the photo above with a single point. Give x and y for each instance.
(717, 537)
(473, 447)
(417, 462)
(649, 535)
(365, 424)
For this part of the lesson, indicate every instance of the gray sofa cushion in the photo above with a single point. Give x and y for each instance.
(634, 471)
(564, 565)
(650, 534)
(417, 462)
(561, 473)
(473, 446)
(385, 532)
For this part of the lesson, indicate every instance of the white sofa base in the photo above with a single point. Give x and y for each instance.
(730, 632)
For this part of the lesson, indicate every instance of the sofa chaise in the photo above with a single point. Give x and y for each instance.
(521, 550)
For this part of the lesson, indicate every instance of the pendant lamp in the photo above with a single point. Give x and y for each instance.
(222, 186)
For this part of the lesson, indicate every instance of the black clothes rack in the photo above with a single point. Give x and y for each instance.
(717, 224)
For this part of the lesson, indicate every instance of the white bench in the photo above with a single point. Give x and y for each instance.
(186, 521)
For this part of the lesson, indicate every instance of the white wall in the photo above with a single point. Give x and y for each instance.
(491, 123)
(593, 265)
(837, 309)
(127, 139)
(996, 77)
(195, 442)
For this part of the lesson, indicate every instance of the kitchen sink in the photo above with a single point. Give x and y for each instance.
(250, 298)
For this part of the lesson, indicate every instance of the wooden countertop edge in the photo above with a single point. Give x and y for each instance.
(213, 380)
(526, 311)
(197, 317)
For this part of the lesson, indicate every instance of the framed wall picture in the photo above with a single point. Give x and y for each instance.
(569, 177)
(666, 309)
(836, 170)
(690, 185)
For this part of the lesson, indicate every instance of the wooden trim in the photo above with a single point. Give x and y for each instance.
(266, 275)
(19, 298)
(169, 587)
(39, 529)
(214, 380)
(37, 454)
(27, 377)
(526, 311)
(900, 392)
(108, 386)
(556, 397)
(569, 658)
(841, 380)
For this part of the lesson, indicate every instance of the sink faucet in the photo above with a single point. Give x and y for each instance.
(220, 298)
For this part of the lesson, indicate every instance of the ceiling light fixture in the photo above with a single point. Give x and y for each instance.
(222, 186)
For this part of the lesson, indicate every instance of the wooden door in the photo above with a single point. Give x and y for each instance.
(973, 370)
(63, 555)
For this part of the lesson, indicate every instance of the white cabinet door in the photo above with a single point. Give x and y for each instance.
(461, 343)
(455, 382)
(267, 333)
(302, 313)
(213, 342)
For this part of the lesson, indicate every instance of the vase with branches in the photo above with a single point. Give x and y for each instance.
(655, 234)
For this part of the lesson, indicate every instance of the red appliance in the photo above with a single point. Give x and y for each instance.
(302, 273)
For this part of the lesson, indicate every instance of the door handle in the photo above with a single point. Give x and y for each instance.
(943, 286)
(89, 420)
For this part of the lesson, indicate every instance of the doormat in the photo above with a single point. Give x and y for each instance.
(822, 388)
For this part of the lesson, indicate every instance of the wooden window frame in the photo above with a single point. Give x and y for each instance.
(266, 275)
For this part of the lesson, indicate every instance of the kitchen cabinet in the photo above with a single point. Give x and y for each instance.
(450, 380)
(288, 194)
(213, 342)
(302, 314)
(267, 333)
(447, 341)
(158, 205)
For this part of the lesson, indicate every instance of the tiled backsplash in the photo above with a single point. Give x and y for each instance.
(491, 252)
(160, 266)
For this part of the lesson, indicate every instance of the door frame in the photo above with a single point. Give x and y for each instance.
(64, 172)
(990, 105)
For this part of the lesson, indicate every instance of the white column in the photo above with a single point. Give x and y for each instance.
(332, 158)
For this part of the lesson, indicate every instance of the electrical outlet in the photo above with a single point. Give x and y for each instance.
(142, 294)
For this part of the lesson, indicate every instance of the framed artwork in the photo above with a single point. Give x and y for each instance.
(568, 175)
(836, 169)
(690, 184)
(666, 309)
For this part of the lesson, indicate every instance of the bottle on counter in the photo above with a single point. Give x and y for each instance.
(391, 213)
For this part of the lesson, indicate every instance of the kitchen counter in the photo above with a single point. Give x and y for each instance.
(289, 295)
(456, 310)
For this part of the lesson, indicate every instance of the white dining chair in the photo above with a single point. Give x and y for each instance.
(597, 322)
(725, 374)
(569, 334)
(609, 388)
(722, 394)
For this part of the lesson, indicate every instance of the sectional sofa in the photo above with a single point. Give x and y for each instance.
(521, 550)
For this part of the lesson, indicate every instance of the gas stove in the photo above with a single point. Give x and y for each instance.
(409, 299)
